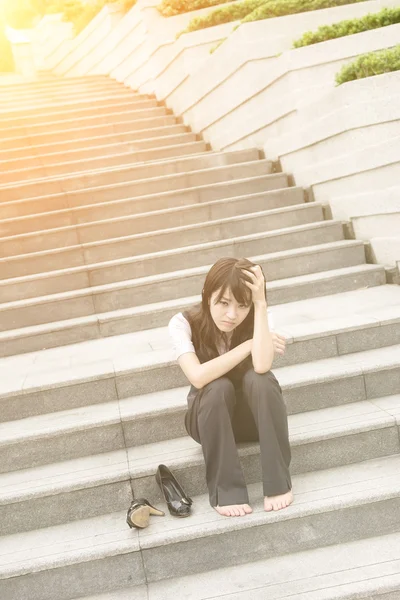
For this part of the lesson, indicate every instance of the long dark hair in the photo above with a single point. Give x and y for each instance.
(225, 273)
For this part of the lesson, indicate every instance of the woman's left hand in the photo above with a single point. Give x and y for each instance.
(279, 342)
(257, 285)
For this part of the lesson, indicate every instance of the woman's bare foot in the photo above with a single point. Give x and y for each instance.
(234, 510)
(278, 502)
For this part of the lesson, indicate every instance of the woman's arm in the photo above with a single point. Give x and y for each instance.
(199, 374)
(262, 351)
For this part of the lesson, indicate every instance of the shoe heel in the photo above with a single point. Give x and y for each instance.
(155, 511)
(140, 517)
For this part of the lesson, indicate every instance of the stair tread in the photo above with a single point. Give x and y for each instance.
(336, 498)
(112, 169)
(89, 140)
(171, 275)
(58, 101)
(139, 592)
(167, 212)
(6, 124)
(165, 194)
(121, 168)
(20, 372)
(323, 491)
(302, 324)
(85, 129)
(344, 571)
(123, 154)
(164, 178)
(85, 119)
(307, 427)
(201, 245)
(172, 210)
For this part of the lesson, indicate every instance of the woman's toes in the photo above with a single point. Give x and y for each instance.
(268, 505)
(236, 510)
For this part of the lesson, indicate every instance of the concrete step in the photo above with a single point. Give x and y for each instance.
(158, 314)
(14, 99)
(139, 592)
(58, 86)
(18, 99)
(18, 119)
(104, 371)
(120, 156)
(89, 147)
(319, 439)
(58, 98)
(114, 323)
(42, 112)
(85, 300)
(106, 177)
(76, 329)
(134, 245)
(81, 254)
(141, 180)
(361, 570)
(158, 416)
(61, 135)
(108, 220)
(119, 227)
(65, 123)
(168, 258)
(340, 505)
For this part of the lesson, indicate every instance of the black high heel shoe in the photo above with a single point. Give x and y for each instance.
(178, 503)
(139, 512)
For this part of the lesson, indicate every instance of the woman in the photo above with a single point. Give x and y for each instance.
(225, 348)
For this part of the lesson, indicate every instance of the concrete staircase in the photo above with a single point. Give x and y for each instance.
(111, 214)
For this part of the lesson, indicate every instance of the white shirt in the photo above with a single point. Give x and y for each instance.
(181, 333)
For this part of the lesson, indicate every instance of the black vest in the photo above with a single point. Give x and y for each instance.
(237, 372)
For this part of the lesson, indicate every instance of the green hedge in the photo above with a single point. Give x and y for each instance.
(387, 16)
(280, 8)
(253, 10)
(169, 8)
(80, 13)
(368, 65)
(225, 14)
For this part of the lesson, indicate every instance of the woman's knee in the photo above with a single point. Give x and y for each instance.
(262, 378)
(218, 392)
(265, 381)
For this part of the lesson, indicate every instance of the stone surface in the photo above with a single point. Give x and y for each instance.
(117, 245)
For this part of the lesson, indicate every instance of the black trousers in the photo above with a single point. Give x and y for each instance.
(246, 409)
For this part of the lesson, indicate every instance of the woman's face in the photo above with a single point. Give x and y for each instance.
(227, 314)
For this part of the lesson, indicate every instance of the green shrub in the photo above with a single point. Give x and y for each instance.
(225, 14)
(81, 13)
(169, 8)
(387, 16)
(280, 8)
(253, 10)
(368, 65)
